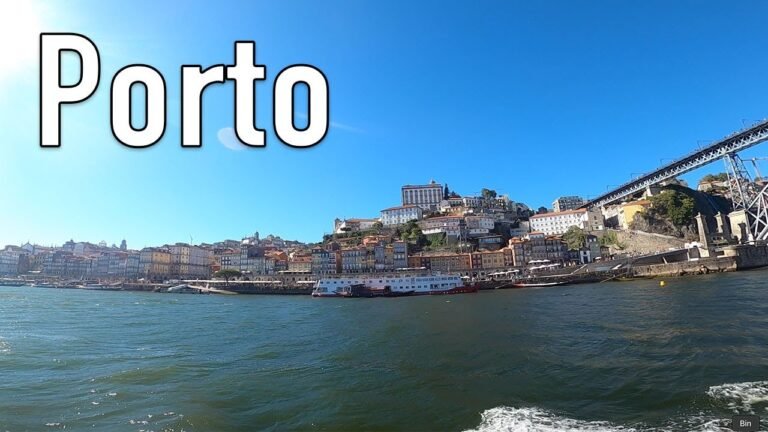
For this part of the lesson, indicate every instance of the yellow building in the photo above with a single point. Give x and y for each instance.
(627, 212)
(154, 263)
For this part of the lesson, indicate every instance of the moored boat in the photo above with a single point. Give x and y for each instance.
(361, 290)
(395, 285)
(536, 284)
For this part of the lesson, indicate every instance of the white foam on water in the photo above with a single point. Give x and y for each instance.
(508, 419)
(741, 397)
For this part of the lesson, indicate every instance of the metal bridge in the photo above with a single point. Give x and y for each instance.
(745, 194)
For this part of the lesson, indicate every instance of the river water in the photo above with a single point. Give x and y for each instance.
(610, 356)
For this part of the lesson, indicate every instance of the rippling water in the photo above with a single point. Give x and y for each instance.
(611, 356)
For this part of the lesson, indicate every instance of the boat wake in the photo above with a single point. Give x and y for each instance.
(510, 419)
(741, 398)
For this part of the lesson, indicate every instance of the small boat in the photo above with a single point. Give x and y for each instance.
(536, 284)
(185, 289)
(324, 292)
(99, 287)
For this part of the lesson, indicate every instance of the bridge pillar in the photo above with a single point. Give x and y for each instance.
(723, 226)
(701, 222)
(651, 190)
(739, 224)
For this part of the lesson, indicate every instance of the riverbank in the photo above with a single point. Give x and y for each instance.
(675, 263)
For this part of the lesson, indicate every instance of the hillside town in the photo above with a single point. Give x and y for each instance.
(432, 228)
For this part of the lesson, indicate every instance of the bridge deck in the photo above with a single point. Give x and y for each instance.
(738, 141)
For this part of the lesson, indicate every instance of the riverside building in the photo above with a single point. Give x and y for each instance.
(567, 203)
(557, 223)
(190, 262)
(401, 215)
(155, 263)
(427, 197)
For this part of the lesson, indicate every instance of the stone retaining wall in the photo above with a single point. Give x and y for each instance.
(702, 266)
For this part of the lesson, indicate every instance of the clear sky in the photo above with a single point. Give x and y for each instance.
(535, 99)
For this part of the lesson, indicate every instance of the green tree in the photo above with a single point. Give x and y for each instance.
(720, 177)
(436, 240)
(675, 206)
(575, 238)
(227, 274)
(411, 233)
(378, 225)
(488, 193)
(610, 239)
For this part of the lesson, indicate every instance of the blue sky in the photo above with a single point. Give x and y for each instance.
(533, 99)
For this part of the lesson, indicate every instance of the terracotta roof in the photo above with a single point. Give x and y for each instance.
(401, 207)
(443, 217)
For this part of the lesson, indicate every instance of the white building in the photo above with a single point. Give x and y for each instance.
(427, 197)
(565, 203)
(230, 260)
(522, 230)
(9, 260)
(557, 223)
(472, 202)
(450, 225)
(401, 215)
(479, 225)
(341, 226)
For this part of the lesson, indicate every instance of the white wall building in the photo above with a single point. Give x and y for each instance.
(341, 226)
(472, 202)
(557, 223)
(523, 228)
(427, 197)
(479, 225)
(9, 261)
(401, 215)
(450, 225)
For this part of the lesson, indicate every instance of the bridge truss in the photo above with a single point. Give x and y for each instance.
(745, 193)
(747, 196)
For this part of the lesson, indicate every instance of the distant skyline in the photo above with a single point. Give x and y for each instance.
(533, 99)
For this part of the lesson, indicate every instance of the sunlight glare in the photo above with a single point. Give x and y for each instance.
(20, 27)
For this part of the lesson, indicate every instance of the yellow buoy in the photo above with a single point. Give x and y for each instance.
(662, 283)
